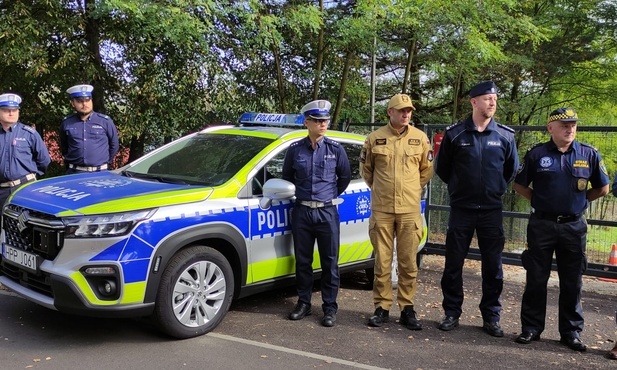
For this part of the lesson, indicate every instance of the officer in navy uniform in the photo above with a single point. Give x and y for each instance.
(88, 140)
(477, 159)
(566, 175)
(320, 170)
(23, 154)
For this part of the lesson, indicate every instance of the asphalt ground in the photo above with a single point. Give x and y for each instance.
(256, 333)
(263, 319)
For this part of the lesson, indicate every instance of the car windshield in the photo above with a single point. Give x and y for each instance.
(208, 159)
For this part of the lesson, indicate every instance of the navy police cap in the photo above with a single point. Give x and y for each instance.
(317, 109)
(483, 88)
(563, 115)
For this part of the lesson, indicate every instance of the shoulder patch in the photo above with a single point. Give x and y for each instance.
(453, 125)
(506, 128)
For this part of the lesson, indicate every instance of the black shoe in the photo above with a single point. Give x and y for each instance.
(379, 317)
(527, 336)
(409, 319)
(302, 309)
(329, 319)
(448, 323)
(493, 328)
(573, 342)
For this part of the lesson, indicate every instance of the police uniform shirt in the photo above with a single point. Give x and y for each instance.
(319, 175)
(560, 180)
(477, 166)
(22, 152)
(93, 142)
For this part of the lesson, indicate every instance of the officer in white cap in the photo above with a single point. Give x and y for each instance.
(23, 154)
(88, 140)
(320, 170)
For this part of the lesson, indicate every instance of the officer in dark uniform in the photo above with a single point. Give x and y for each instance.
(23, 154)
(477, 159)
(88, 140)
(566, 176)
(320, 170)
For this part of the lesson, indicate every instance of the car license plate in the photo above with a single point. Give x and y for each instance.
(21, 258)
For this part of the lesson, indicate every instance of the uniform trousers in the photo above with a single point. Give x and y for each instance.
(383, 228)
(322, 225)
(568, 242)
(488, 226)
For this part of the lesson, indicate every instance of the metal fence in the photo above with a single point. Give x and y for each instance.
(601, 215)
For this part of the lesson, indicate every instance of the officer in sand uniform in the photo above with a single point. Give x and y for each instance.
(23, 154)
(566, 175)
(88, 140)
(396, 162)
(320, 170)
(477, 159)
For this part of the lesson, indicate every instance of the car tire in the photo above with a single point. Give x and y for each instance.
(195, 293)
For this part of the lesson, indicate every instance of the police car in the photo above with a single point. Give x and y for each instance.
(177, 234)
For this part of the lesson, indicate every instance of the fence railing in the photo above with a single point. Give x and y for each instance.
(601, 215)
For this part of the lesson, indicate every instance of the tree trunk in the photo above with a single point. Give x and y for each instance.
(93, 40)
(320, 53)
(341, 94)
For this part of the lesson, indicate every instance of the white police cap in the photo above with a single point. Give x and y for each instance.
(80, 90)
(10, 100)
(317, 109)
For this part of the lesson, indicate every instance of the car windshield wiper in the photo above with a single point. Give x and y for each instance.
(158, 178)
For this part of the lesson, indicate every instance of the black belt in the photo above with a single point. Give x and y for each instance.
(315, 204)
(560, 219)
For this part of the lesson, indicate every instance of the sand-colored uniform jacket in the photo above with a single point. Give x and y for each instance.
(396, 167)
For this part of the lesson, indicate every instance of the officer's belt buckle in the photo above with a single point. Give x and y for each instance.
(315, 204)
(89, 168)
(10, 184)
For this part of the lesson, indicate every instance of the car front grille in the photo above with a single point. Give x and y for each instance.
(33, 232)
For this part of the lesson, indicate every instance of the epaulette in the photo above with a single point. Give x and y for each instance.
(296, 143)
(69, 116)
(589, 146)
(506, 128)
(29, 129)
(103, 116)
(453, 125)
(330, 141)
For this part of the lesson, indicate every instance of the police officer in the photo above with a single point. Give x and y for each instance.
(477, 159)
(396, 162)
(88, 140)
(320, 170)
(23, 154)
(566, 176)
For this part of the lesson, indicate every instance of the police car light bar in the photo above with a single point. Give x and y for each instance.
(271, 119)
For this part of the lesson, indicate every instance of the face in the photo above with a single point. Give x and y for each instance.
(485, 105)
(399, 117)
(83, 105)
(9, 116)
(316, 127)
(563, 133)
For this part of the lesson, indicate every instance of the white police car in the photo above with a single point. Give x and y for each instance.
(175, 235)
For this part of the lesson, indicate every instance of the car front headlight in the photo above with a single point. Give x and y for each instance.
(104, 226)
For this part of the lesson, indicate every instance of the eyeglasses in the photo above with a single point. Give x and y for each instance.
(83, 99)
(318, 121)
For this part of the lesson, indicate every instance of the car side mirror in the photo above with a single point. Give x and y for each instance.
(276, 189)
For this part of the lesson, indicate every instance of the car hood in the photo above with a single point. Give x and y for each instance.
(102, 192)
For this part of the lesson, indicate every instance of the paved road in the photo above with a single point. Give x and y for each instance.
(256, 334)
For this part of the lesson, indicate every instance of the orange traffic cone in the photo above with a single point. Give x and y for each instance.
(612, 260)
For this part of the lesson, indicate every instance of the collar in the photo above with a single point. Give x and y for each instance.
(396, 132)
(470, 126)
(575, 146)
